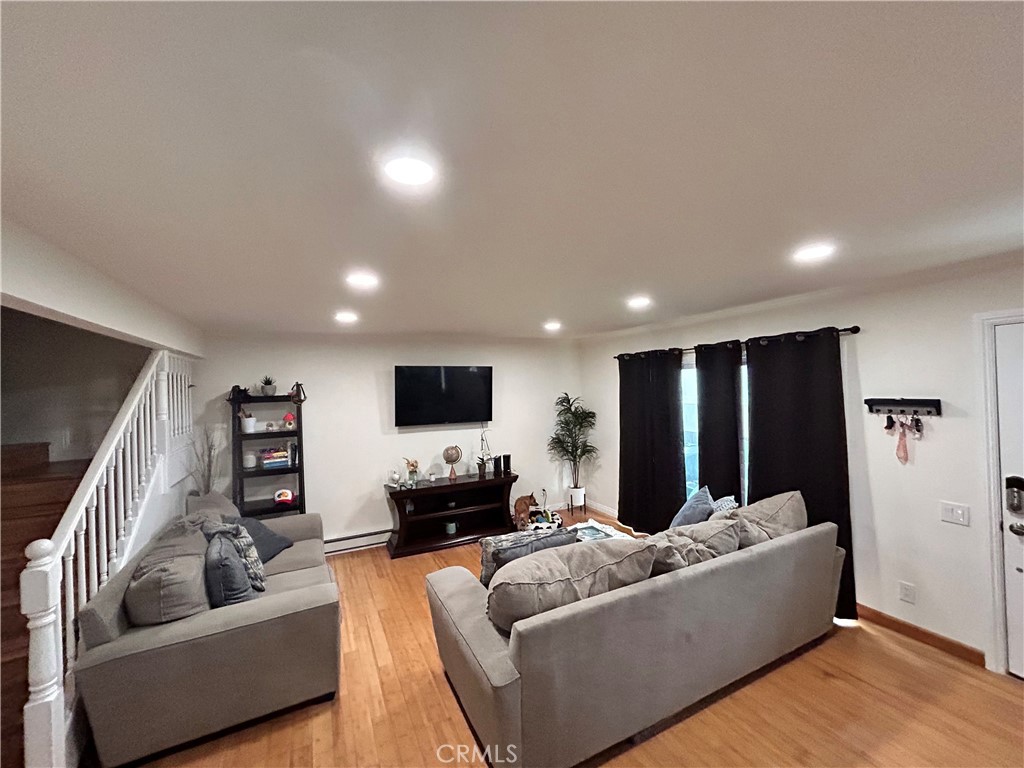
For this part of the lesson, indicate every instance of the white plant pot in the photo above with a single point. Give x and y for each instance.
(269, 390)
(577, 496)
(249, 424)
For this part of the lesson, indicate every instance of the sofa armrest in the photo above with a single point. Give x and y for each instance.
(297, 527)
(158, 687)
(476, 657)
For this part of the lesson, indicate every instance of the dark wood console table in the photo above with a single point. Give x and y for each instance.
(479, 506)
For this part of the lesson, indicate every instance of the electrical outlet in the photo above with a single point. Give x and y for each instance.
(958, 514)
(908, 592)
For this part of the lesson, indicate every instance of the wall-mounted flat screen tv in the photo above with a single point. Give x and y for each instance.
(442, 394)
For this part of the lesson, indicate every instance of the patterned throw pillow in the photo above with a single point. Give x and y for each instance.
(245, 546)
(724, 504)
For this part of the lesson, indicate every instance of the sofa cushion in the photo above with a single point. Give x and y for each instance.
(503, 555)
(749, 533)
(675, 550)
(212, 506)
(555, 577)
(777, 515)
(302, 554)
(269, 544)
(169, 582)
(226, 580)
(306, 577)
(696, 509)
(720, 536)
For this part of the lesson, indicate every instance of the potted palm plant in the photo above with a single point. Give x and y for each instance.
(570, 441)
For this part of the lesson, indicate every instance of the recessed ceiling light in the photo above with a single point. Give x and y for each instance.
(638, 303)
(362, 280)
(552, 326)
(346, 317)
(410, 171)
(812, 253)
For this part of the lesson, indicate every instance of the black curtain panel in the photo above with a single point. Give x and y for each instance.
(718, 416)
(798, 433)
(652, 479)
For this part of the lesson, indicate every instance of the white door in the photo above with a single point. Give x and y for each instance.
(1010, 402)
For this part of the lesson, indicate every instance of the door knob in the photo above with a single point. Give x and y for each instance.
(1017, 529)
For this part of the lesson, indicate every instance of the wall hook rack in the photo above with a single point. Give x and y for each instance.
(904, 406)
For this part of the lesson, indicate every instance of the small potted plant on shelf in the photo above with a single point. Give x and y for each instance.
(570, 441)
(269, 386)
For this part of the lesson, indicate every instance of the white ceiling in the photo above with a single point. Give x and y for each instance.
(219, 157)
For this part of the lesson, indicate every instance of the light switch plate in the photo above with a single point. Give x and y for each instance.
(952, 512)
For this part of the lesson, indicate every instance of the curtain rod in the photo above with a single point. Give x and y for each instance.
(853, 329)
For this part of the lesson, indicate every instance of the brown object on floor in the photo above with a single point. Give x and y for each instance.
(35, 493)
(522, 511)
(961, 651)
(864, 696)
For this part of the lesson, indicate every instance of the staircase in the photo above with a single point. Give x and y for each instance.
(34, 494)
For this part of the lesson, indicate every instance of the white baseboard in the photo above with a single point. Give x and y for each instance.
(604, 510)
(359, 541)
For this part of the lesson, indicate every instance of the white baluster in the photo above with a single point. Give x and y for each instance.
(147, 414)
(135, 465)
(188, 397)
(80, 557)
(152, 423)
(44, 711)
(101, 528)
(111, 518)
(110, 527)
(90, 529)
(129, 474)
(69, 602)
(120, 475)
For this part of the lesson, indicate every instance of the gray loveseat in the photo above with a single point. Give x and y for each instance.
(573, 681)
(146, 689)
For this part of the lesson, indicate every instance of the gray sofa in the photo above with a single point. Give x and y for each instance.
(573, 681)
(146, 689)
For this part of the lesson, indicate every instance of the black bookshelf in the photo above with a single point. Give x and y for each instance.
(263, 507)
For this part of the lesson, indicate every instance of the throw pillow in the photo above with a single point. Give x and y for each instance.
(697, 509)
(269, 543)
(227, 582)
(490, 544)
(674, 550)
(720, 536)
(723, 504)
(777, 515)
(555, 577)
(750, 534)
(168, 584)
(242, 542)
(212, 506)
(557, 538)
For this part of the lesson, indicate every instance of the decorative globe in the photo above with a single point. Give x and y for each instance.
(452, 454)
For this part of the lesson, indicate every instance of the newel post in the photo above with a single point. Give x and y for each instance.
(44, 711)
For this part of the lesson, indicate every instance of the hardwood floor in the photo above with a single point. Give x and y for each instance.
(863, 696)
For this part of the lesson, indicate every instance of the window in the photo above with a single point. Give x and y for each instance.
(691, 428)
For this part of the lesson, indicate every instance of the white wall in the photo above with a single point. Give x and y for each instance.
(918, 340)
(350, 439)
(62, 385)
(39, 278)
